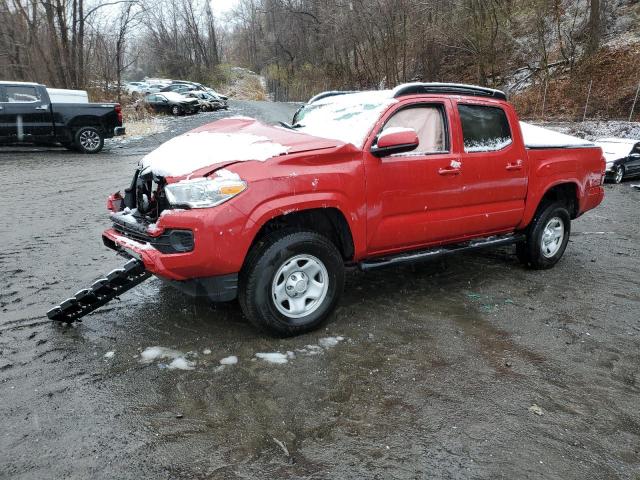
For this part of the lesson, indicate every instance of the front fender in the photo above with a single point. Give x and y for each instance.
(277, 207)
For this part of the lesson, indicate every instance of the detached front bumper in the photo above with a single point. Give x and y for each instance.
(166, 266)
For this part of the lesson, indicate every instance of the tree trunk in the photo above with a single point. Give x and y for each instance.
(595, 28)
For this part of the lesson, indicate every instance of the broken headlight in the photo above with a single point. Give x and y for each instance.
(203, 192)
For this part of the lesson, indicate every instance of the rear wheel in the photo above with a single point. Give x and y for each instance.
(89, 140)
(618, 174)
(547, 237)
(291, 282)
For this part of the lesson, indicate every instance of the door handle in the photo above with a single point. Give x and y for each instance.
(42, 107)
(449, 171)
(517, 165)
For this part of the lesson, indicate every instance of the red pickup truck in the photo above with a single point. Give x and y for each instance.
(273, 214)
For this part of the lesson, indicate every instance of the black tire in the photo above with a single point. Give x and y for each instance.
(88, 140)
(176, 110)
(533, 252)
(257, 286)
(618, 174)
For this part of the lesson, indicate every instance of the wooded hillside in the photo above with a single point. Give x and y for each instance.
(550, 55)
(523, 46)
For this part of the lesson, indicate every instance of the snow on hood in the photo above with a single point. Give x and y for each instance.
(539, 137)
(194, 150)
(226, 141)
(616, 148)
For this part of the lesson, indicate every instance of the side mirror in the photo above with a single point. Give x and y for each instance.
(395, 140)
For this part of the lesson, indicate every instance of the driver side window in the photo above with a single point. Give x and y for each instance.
(428, 122)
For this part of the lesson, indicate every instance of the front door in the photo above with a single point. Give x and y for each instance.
(414, 198)
(25, 116)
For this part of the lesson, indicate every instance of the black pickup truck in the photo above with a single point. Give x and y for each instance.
(27, 115)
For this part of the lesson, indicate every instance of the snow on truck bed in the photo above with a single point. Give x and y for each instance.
(539, 137)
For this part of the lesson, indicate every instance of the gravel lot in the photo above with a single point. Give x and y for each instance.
(435, 375)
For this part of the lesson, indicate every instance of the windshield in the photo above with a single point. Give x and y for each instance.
(348, 118)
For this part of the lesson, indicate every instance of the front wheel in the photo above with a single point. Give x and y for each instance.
(291, 282)
(547, 237)
(89, 140)
(618, 174)
(175, 110)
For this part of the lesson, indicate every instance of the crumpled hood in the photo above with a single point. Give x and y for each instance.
(234, 139)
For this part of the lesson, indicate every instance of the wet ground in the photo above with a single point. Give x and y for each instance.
(434, 376)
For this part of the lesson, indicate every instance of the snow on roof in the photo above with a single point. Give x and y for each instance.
(616, 148)
(194, 150)
(7, 82)
(540, 137)
(348, 117)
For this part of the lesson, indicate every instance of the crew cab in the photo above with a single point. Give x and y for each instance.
(272, 215)
(27, 115)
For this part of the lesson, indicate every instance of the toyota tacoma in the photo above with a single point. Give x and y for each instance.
(272, 215)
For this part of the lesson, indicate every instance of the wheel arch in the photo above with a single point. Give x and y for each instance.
(567, 191)
(327, 221)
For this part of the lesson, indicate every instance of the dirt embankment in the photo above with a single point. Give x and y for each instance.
(614, 75)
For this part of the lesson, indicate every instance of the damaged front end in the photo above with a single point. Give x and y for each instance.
(134, 217)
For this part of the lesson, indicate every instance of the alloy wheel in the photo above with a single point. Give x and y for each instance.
(90, 140)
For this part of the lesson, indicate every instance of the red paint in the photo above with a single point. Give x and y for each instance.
(391, 204)
(114, 202)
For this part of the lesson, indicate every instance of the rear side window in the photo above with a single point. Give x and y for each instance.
(21, 94)
(485, 129)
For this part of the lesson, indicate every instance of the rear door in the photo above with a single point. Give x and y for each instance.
(26, 116)
(495, 165)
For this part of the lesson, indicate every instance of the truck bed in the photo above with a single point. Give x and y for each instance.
(536, 137)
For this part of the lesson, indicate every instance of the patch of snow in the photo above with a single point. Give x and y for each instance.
(329, 342)
(231, 360)
(487, 145)
(150, 354)
(348, 117)
(171, 211)
(227, 175)
(181, 363)
(132, 243)
(274, 357)
(539, 137)
(392, 130)
(206, 351)
(194, 150)
(109, 354)
(240, 117)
